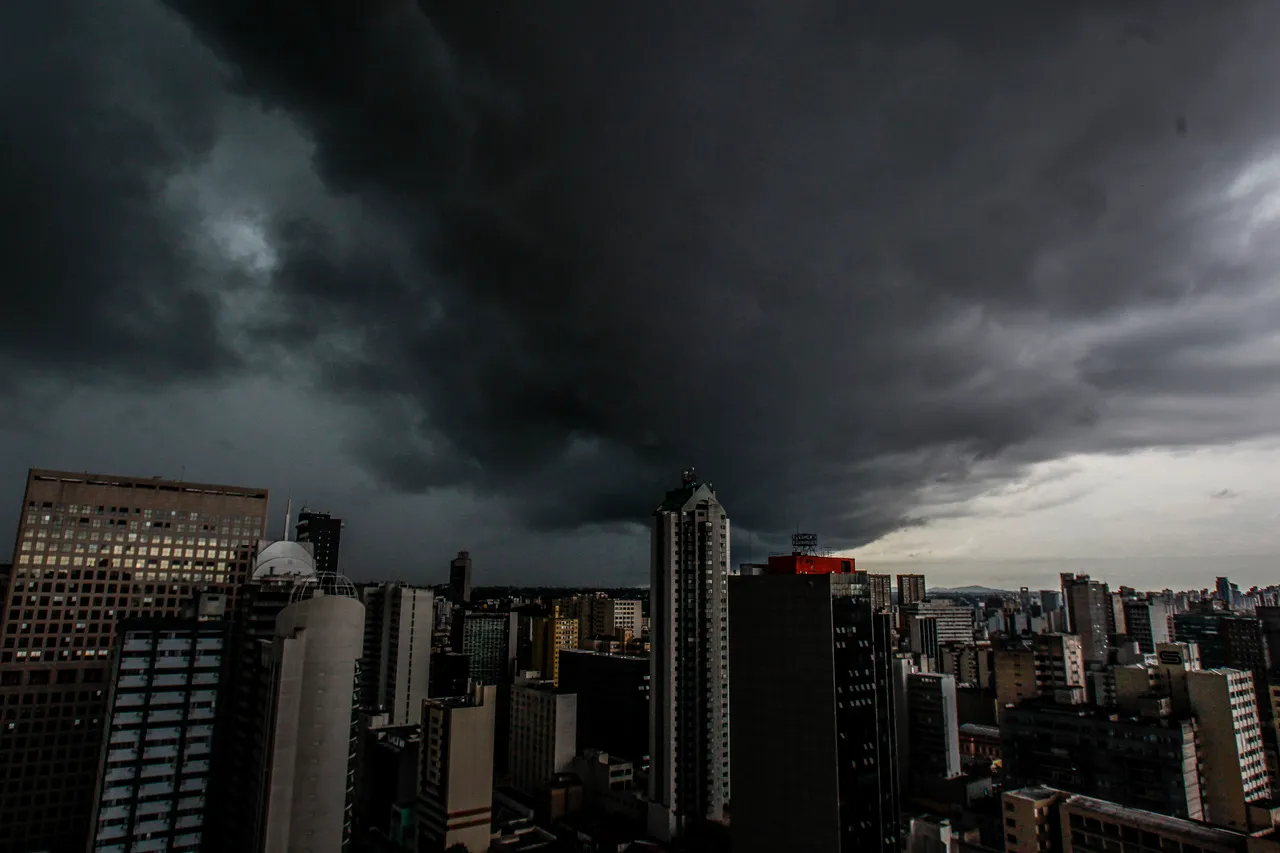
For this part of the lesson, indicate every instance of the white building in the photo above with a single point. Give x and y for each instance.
(542, 734)
(455, 773)
(689, 632)
(309, 763)
(397, 650)
(1233, 765)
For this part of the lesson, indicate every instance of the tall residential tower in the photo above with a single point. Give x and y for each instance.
(689, 631)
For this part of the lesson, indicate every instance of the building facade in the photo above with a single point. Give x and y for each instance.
(460, 578)
(455, 778)
(1149, 763)
(91, 549)
(396, 665)
(551, 636)
(910, 589)
(613, 702)
(934, 732)
(324, 533)
(1089, 614)
(811, 664)
(1234, 765)
(689, 631)
(543, 733)
(153, 774)
(488, 639)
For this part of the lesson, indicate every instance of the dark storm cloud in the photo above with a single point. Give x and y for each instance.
(102, 103)
(832, 253)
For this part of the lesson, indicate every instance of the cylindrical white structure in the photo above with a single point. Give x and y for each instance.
(318, 641)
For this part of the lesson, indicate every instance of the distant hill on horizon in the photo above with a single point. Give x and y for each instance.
(967, 590)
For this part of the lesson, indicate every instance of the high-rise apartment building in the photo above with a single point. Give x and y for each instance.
(543, 733)
(153, 774)
(396, 665)
(881, 591)
(910, 589)
(310, 761)
(1089, 614)
(689, 630)
(460, 578)
(922, 633)
(1234, 769)
(324, 533)
(613, 702)
(488, 639)
(625, 618)
(813, 715)
(455, 781)
(551, 636)
(91, 549)
(933, 736)
(1150, 622)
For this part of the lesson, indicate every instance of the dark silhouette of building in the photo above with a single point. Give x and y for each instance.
(324, 532)
(813, 740)
(1144, 763)
(613, 702)
(449, 674)
(460, 578)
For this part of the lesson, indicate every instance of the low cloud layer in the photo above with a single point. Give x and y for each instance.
(836, 255)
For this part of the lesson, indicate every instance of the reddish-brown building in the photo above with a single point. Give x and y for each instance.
(91, 549)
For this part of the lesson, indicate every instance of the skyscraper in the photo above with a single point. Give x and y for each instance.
(489, 640)
(1089, 613)
(910, 589)
(613, 702)
(310, 762)
(551, 635)
(689, 632)
(813, 713)
(881, 594)
(1234, 768)
(933, 729)
(91, 549)
(460, 578)
(324, 532)
(396, 664)
(164, 691)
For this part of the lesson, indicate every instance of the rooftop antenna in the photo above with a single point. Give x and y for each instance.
(288, 516)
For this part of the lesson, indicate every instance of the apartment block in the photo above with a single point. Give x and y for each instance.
(396, 662)
(455, 781)
(543, 733)
(1235, 771)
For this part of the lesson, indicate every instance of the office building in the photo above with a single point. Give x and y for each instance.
(310, 762)
(1090, 614)
(455, 779)
(1234, 769)
(153, 773)
(1050, 600)
(1060, 666)
(626, 618)
(910, 589)
(488, 639)
(460, 579)
(1143, 762)
(613, 702)
(933, 730)
(881, 591)
(543, 734)
(551, 636)
(955, 621)
(689, 741)
(324, 533)
(1204, 628)
(450, 672)
(91, 549)
(971, 663)
(812, 667)
(1015, 675)
(1149, 622)
(396, 663)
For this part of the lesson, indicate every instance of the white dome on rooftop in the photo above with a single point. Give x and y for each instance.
(284, 559)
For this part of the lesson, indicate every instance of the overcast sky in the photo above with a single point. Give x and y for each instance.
(975, 286)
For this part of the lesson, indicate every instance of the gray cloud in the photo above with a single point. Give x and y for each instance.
(835, 255)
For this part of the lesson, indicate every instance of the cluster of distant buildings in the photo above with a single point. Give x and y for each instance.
(173, 678)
